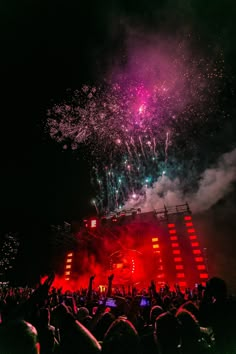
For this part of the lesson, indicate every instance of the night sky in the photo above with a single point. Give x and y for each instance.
(48, 47)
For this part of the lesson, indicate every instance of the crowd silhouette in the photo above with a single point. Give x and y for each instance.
(47, 320)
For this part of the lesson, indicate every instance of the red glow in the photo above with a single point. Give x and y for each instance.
(201, 267)
(171, 225)
(43, 279)
(189, 224)
(182, 283)
(161, 276)
(190, 231)
(175, 244)
(199, 259)
(179, 267)
(195, 244)
(196, 251)
(151, 241)
(180, 275)
(192, 237)
(173, 238)
(176, 251)
(188, 217)
(203, 276)
(172, 232)
(85, 223)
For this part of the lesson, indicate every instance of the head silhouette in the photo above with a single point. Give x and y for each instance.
(121, 337)
(18, 337)
(167, 332)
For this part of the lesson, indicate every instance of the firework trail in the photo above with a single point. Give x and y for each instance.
(166, 147)
(127, 122)
(95, 206)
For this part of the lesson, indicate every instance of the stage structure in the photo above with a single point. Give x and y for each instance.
(137, 247)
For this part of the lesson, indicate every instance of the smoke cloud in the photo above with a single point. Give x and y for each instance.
(214, 184)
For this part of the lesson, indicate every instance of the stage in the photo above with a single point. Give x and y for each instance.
(137, 247)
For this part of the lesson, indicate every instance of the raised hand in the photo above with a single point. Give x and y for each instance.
(92, 277)
(90, 287)
(109, 289)
(48, 282)
(111, 277)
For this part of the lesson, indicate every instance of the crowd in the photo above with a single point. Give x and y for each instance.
(153, 321)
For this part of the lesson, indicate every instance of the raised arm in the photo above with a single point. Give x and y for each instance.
(109, 289)
(90, 288)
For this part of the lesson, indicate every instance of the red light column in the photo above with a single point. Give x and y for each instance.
(157, 253)
(68, 265)
(176, 252)
(197, 253)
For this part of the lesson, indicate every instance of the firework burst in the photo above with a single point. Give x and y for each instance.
(136, 126)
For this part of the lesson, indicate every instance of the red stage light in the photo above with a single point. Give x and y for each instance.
(172, 232)
(155, 246)
(203, 276)
(175, 244)
(171, 225)
(189, 224)
(177, 259)
(180, 275)
(196, 251)
(176, 251)
(154, 239)
(192, 237)
(188, 217)
(173, 238)
(201, 267)
(190, 231)
(195, 244)
(70, 254)
(179, 267)
(199, 259)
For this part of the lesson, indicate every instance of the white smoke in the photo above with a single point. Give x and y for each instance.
(215, 183)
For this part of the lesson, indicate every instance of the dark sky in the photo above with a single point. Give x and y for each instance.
(50, 46)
